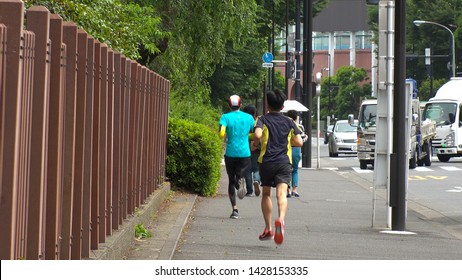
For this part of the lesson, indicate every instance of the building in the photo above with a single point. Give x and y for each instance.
(341, 36)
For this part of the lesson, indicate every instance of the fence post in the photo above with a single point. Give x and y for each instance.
(117, 122)
(70, 39)
(38, 21)
(80, 104)
(88, 150)
(109, 140)
(95, 155)
(12, 18)
(102, 123)
(55, 136)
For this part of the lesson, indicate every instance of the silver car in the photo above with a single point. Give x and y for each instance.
(343, 139)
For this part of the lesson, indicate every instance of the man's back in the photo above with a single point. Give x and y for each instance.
(238, 125)
(277, 131)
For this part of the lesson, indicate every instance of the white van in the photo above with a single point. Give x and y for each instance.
(445, 109)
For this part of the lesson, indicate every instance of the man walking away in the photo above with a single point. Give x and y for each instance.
(236, 126)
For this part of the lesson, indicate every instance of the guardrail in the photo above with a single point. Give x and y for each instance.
(83, 136)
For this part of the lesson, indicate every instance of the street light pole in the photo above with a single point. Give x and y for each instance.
(453, 58)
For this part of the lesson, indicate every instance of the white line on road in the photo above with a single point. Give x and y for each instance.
(456, 190)
(423, 169)
(450, 168)
(359, 170)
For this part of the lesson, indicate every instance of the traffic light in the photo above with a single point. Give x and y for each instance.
(291, 66)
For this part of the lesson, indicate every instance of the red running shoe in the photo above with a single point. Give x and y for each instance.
(266, 235)
(279, 231)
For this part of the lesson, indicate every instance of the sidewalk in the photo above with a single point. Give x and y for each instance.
(331, 220)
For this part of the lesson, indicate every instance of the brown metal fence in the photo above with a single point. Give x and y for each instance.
(83, 136)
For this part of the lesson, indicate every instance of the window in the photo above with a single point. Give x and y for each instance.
(342, 40)
(320, 41)
(363, 40)
(441, 112)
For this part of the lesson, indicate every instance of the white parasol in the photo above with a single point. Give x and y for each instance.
(294, 105)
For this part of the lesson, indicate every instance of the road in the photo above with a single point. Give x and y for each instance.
(438, 187)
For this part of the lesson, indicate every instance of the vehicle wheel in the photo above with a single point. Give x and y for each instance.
(413, 161)
(428, 157)
(335, 154)
(443, 158)
(362, 164)
(420, 162)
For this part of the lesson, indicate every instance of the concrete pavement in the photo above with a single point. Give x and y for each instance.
(330, 221)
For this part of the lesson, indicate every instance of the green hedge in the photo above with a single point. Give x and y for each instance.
(194, 155)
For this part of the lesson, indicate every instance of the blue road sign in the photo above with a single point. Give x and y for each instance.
(267, 57)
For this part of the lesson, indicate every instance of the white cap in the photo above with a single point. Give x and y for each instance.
(234, 100)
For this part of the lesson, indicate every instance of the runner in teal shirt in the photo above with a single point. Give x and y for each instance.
(236, 126)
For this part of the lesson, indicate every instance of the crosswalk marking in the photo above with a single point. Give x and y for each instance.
(423, 169)
(456, 190)
(419, 169)
(359, 170)
(450, 168)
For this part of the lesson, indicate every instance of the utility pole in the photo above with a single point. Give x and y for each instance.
(399, 164)
(297, 51)
(307, 77)
(287, 50)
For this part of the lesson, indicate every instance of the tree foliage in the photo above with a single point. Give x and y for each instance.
(445, 12)
(349, 87)
(120, 25)
(202, 30)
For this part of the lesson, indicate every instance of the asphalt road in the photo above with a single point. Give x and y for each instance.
(437, 187)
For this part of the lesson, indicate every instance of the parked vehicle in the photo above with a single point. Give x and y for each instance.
(342, 140)
(445, 109)
(422, 133)
(327, 132)
(366, 132)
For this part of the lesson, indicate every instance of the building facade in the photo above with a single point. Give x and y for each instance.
(341, 36)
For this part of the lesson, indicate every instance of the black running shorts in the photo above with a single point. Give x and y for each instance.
(272, 173)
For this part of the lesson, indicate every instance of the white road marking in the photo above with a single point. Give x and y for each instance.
(456, 190)
(450, 168)
(423, 169)
(359, 170)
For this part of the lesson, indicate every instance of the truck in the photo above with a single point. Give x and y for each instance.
(422, 133)
(445, 110)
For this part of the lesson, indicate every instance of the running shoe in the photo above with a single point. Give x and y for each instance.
(295, 194)
(266, 235)
(241, 190)
(235, 214)
(279, 231)
(256, 187)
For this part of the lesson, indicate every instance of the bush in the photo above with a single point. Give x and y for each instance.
(193, 157)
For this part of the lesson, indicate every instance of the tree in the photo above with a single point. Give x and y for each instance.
(349, 86)
(445, 12)
(122, 26)
(241, 73)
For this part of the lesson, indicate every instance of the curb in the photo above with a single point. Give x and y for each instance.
(118, 244)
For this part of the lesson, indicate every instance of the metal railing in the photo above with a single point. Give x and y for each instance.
(83, 136)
